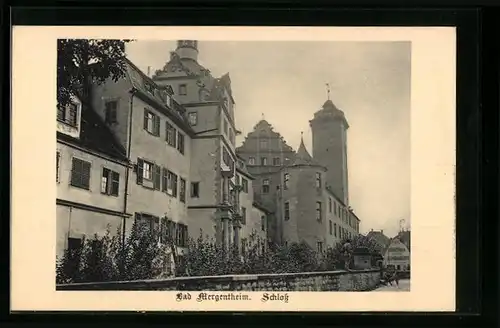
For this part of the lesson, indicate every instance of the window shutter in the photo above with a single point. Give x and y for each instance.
(174, 136)
(157, 125)
(145, 119)
(157, 177)
(164, 178)
(115, 183)
(140, 168)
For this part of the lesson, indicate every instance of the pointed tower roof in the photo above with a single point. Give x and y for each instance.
(329, 111)
(302, 157)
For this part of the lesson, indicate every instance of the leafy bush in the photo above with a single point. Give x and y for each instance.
(109, 258)
(140, 256)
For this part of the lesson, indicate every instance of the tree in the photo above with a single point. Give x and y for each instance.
(334, 256)
(108, 258)
(83, 61)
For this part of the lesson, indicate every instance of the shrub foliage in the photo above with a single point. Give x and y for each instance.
(141, 256)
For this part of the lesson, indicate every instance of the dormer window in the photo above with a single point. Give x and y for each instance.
(68, 114)
(251, 161)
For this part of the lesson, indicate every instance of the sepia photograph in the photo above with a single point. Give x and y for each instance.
(235, 169)
(181, 165)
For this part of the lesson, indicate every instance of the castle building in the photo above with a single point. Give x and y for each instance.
(179, 170)
(308, 194)
(161, 151)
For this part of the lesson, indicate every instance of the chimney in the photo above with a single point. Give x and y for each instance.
(149, 71)
(371, 230)
(382, 231)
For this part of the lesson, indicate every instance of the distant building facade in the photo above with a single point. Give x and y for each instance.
(309, 204)
(397, 254)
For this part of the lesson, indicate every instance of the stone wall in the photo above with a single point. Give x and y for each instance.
(362, 280)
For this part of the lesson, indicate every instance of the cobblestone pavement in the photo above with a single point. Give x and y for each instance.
(404, 286)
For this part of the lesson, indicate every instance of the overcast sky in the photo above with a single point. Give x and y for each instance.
(285, 81)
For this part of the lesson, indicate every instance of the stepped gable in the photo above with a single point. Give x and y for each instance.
(302, 157)
(191, 68)
(264, 129)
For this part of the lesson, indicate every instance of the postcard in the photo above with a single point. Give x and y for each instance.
(233, 168)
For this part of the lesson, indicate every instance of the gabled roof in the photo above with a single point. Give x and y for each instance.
(157, 94)
(95, 136)
(261, 129)
(378, 236)
(191, 68)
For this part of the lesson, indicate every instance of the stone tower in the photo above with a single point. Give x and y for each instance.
(187, 49)
(303, 199)
(329, 138)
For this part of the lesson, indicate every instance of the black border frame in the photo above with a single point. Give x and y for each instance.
(474, 195)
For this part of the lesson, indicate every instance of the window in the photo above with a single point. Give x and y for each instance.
(243, 215)
(318, 211)
(286, 178)
(58, 163)
(180, 143)
(80, 174)
(170, 182)
(263, 223)
(287, 211)
(193, 118)
(149, 87)
(182, 192)
(237, 179)
(318, 180)
(171, 134)
(263, 161)
(74, 244)
(244, 185)
(331, 227)
(329, 205)
(276, 161)
(335, 229)
(148, 174)
(110, 108)
(265, 186)
(335, 208)
(68, 114)
(110, 182)
(195, 189)
(263, 144)
(181, 235)
(182, 89)
(320, 247)
(151, 122)
(251, 161)
(225, 127)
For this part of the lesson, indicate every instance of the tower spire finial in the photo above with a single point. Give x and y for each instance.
(263, 117)
(328, 90)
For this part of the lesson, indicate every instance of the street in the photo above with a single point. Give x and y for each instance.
(404, 286)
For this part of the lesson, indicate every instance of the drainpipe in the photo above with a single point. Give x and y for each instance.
(127, 171)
